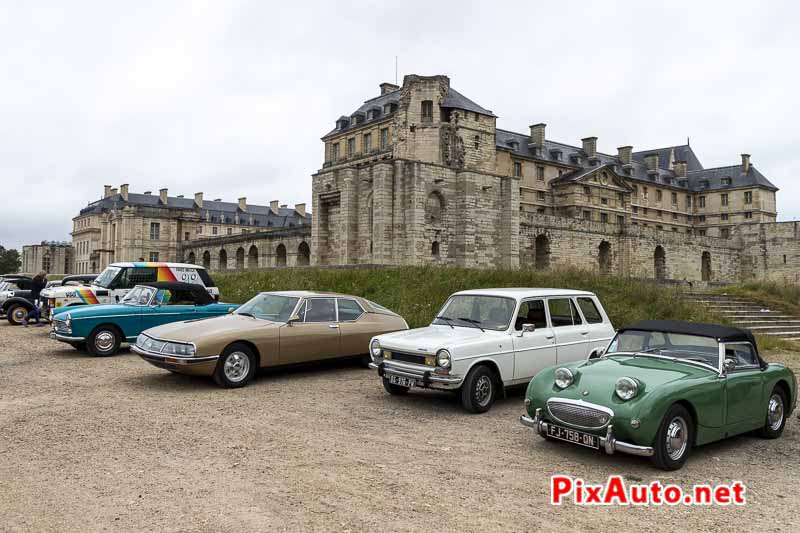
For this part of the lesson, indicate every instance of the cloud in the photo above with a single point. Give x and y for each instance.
(231, 97)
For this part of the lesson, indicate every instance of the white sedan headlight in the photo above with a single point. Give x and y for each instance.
(564, 378)
(375, 348)
(443, 358)
(626, 388)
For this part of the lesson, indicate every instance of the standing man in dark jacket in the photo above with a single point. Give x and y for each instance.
(39, 283)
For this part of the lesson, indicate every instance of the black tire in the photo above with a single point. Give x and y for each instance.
(394, 390)
(678, 421)
(240, 369)
(479, 390)
(364, 361)
(16, 314)
(104, 341)
(80, 346)
(773, 427)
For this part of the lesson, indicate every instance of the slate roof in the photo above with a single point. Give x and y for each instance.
(263, 217)
(453, 99)
(505, 140)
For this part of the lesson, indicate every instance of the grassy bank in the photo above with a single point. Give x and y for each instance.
(417, 293)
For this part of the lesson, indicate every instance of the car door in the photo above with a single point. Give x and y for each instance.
(744, 386)
(534, 350)
(355, 331)
(166, 307)
(600, 331)
(571, 333)
(315, 336)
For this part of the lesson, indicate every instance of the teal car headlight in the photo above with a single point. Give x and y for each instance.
(626, 388)
(564, 378)
(178, 348)
(68, 321)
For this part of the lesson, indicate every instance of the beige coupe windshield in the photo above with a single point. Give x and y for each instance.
(273, 307)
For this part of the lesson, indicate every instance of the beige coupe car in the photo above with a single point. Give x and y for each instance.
(272, 329)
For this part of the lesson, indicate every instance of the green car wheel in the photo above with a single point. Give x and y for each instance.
(674, 439)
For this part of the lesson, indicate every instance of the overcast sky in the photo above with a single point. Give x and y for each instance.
(231, 98)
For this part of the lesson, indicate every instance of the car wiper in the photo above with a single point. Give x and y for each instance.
(251, 315)
(649, 350)
(447, 319)
(477, 323)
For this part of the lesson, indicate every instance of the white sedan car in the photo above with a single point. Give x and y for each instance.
(486, 339)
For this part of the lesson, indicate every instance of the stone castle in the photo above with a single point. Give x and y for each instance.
(421, 174)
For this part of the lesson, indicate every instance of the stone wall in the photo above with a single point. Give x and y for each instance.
(771, 251)
(267, 249)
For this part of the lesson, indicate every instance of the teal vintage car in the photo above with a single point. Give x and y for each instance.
(661, 388)
(101, 329)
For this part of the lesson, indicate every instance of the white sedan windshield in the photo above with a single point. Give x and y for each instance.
(477, 311)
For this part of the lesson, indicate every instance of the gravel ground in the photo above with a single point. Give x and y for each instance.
(116, 444)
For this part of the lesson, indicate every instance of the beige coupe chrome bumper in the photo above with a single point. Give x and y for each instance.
(184, 364)
(609, 443)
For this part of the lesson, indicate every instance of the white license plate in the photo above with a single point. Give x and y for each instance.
(402, 381)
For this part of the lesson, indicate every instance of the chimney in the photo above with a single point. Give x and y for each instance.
(273, 205)
(590, 146)
(106, 191)
(625, 154)
(301, 209)
(162, 193)
(388, 87)
(537, 134)
(284, 206)
(198, 199)
(745, 163)
(243, 203)
(113, 191)
(651, 161)
(680, 169)
(148, 193)
(123, 190)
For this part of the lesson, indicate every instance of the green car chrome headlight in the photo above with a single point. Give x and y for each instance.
(564, 378)
(626, 388)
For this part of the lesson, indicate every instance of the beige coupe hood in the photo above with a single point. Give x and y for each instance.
(215, 328)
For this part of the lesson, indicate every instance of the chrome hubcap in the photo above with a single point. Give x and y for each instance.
(104, 341)
(483, 390)
(775, 412)
(19, 314)
(237, 366)
(677, 437)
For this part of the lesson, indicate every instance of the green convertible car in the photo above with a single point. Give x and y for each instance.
(660, 388)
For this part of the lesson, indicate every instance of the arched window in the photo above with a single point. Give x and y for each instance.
(435, 249)
(207, 260)
(223, 260)
(191, 258)
(252, 257)
(434, 208)
(660, 263)
(705, 268)
(280, 255)
(604, 257)
(303, 254)
(542, 245)
(240, 259)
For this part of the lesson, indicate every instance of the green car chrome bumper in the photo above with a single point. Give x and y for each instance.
(609, 443)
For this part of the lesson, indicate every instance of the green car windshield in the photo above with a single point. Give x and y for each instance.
(273, 307)
(689, 347)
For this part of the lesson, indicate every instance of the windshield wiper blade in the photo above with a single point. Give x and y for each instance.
(447, 319)
(649, 350)
(477, 323)
(251, 315)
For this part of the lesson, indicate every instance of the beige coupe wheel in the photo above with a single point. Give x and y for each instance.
(236, 366)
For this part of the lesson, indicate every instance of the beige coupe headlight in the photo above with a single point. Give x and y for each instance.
(626, 388)
(564, 378)
(178, 348)
(443, 358)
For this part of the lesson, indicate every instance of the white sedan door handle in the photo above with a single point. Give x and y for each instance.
(333, 326)
(584, 332)
(548, 337)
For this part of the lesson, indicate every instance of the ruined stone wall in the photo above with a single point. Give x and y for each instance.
(266, 249)
(771, 251)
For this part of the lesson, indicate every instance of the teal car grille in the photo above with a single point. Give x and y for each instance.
(578, 415)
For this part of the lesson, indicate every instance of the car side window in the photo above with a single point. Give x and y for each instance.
(349, 310)
(563, 312)
(320, 310)
(590, 311)
(742, 354)
(131, 277)
(531, 312)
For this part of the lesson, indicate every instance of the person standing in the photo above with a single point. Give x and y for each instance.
(39, 283)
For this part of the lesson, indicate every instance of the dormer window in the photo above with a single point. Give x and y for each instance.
(358, 118)
(576, 159)
(513, 144)
(342, 123)
(704, 184)
(682, 183)
(373, 113)
(556, 154)
(726, 181)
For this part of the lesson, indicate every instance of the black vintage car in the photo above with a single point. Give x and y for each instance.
(15, 294)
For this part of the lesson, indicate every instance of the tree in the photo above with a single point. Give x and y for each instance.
(9, 261)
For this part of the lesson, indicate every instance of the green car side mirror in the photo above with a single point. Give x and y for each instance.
(730, 365)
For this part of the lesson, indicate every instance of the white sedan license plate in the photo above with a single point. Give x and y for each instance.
(575, 437)
(402, 381)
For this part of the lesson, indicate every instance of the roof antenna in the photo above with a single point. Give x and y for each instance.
(395, 70)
